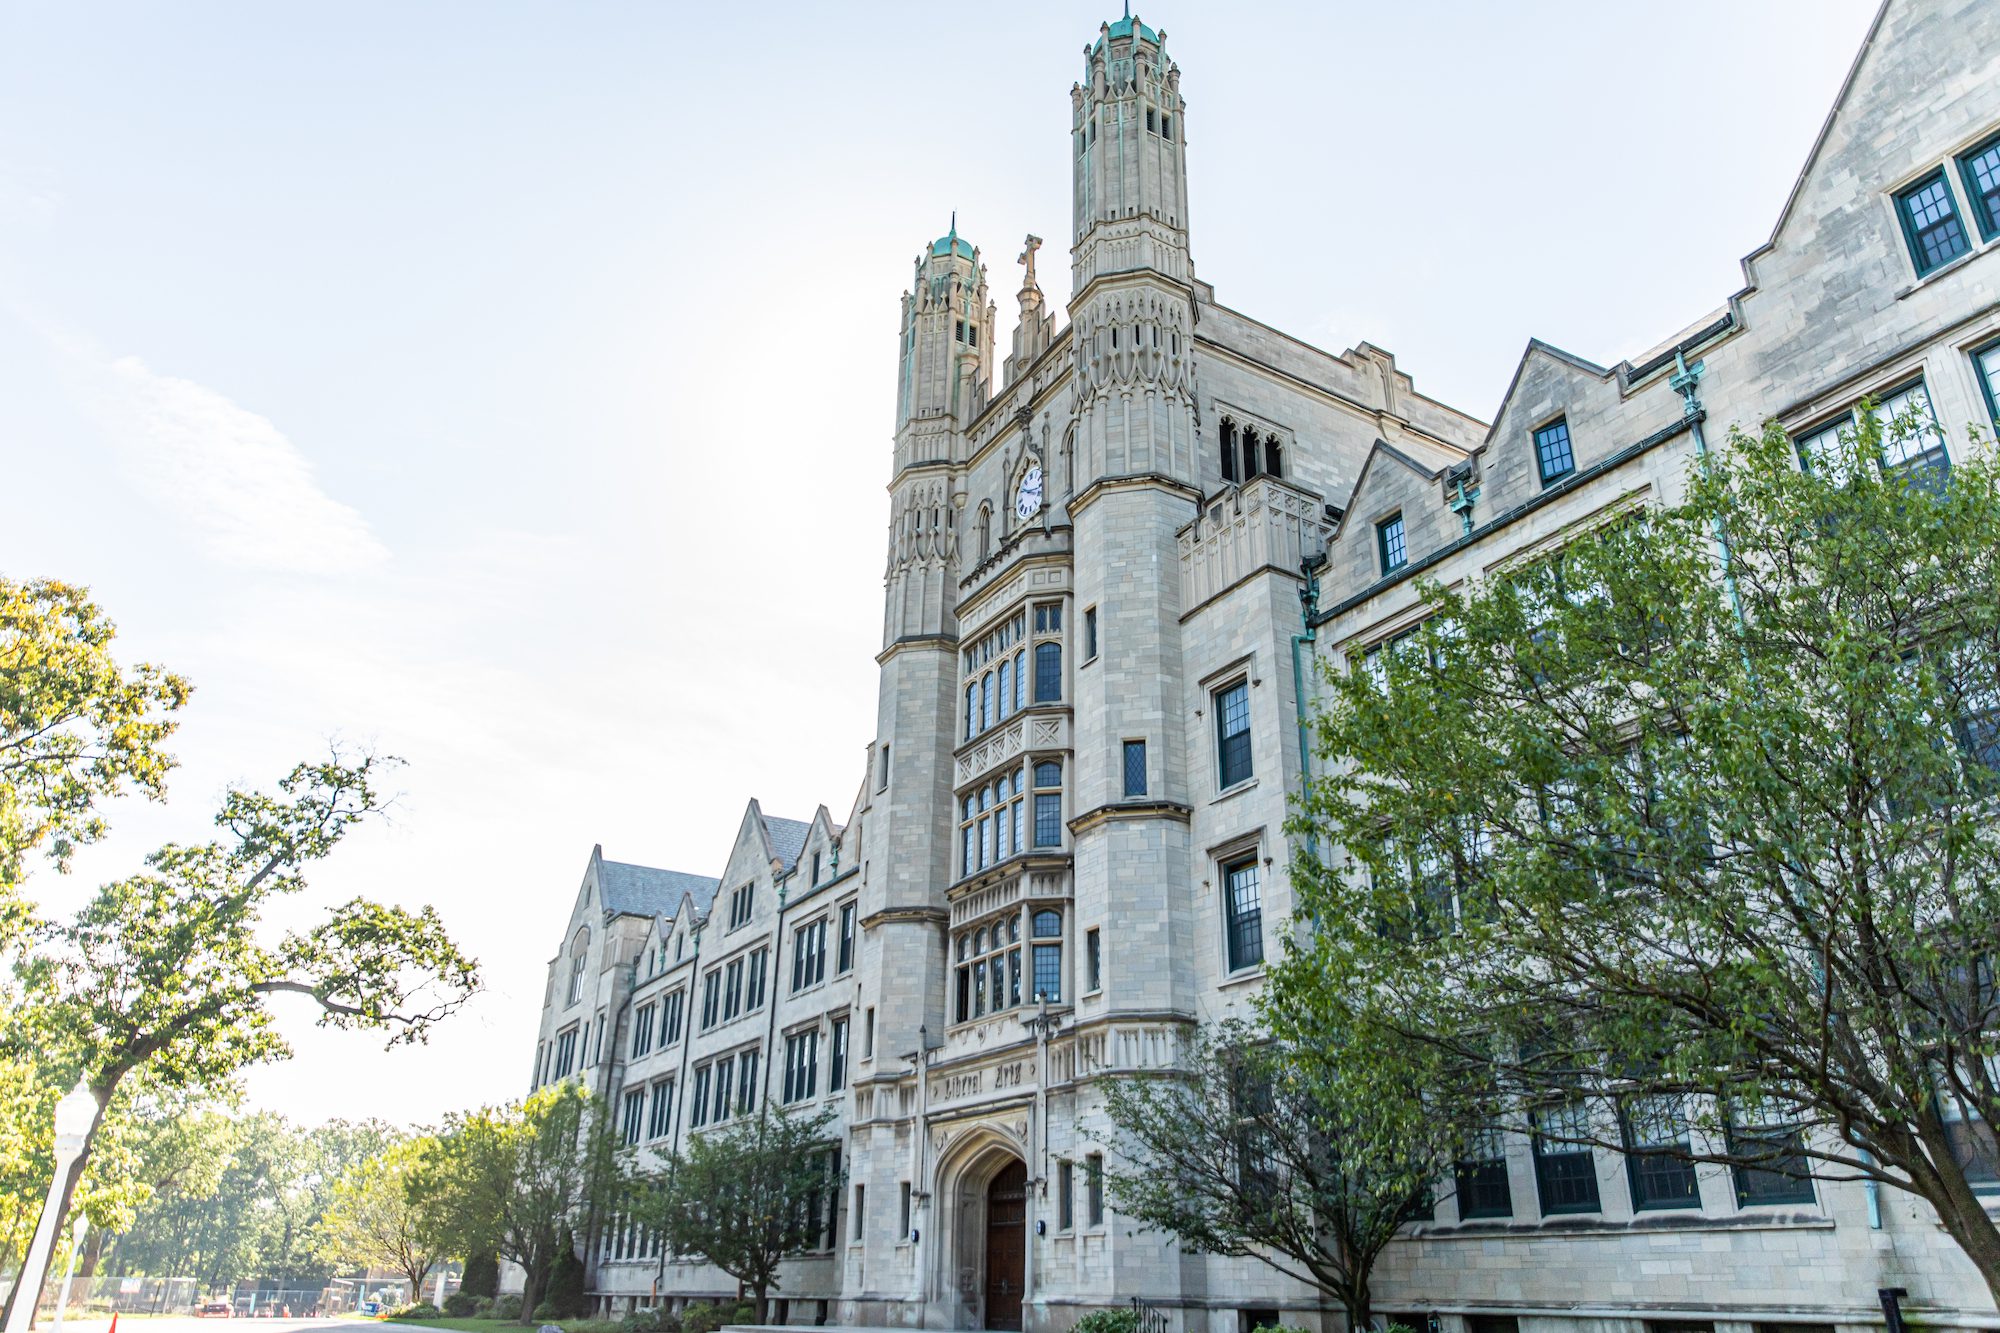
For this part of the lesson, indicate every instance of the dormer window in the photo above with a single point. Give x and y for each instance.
(1553, 456)
(1390, 544)
(1980, 169)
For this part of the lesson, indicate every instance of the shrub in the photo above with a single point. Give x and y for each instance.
(1107, 1321)
(461, 1304)
(565, 1297)
(702, 1317)
(417, 1310)
(650, 1321)
(506, 1307)
(482, 1275)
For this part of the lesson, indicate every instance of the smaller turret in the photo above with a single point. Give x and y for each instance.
(945, 369)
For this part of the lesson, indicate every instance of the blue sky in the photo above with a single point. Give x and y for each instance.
(509, 388)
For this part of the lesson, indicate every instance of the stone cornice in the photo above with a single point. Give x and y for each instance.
(935, 643)
(907, 915)
(1131, 481)
(1127, 811)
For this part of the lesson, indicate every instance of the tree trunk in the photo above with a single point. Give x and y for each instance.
(76, 1170)
(1360, 1305)
(1972, 1227)
(759, 1290)
(530, 1288)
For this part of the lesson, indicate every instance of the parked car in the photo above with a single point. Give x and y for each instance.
(214, 1310)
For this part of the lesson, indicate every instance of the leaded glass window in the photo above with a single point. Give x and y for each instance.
(987, 960)
(1482, 1177)
(1553, 454)
(993, 822)
(1048, 804)
(1135, 768)
(1767, 1134)
(1910, 436)
(1565, 1168)
(1656, 1129)
(1931, 223)
(1048, 673)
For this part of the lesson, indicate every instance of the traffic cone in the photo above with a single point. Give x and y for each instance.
(114, 1323)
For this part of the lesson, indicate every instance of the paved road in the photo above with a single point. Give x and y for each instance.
(217, 1325)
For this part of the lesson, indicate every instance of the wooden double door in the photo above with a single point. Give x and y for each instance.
(1006, 1246)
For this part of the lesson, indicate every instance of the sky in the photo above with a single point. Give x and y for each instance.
(508, 388)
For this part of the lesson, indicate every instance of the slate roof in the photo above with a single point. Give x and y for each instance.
(643, 891)
(788, 839)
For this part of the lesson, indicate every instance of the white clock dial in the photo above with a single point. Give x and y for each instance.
(1028, 502)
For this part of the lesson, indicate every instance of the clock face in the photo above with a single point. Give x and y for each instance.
(1028, 502)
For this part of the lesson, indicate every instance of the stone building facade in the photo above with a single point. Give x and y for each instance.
(1112, 568)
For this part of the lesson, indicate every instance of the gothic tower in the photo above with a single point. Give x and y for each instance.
(1132, 314)
(944, 376)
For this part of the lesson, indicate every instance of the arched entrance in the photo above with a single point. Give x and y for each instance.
(1006, 1245)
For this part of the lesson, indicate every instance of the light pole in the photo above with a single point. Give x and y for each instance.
(74, 1115)
(69, 1270)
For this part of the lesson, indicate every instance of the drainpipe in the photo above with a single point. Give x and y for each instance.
(771, 989)
(1686, 381)
(1308, 608)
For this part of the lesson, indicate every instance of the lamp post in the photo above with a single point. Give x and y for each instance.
(69, 1270)
(74, 1115)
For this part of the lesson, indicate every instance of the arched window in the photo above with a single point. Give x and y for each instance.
(1048, 803)
(1274, 462)
(1020, 680)
(1249, 453)
(1227, 431)
(985, 531)
(1006, 687)
(1047, 959)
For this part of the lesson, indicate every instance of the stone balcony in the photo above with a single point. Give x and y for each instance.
(1038, 729)
(1263, 524)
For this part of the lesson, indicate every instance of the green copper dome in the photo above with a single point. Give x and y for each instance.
(953, 244)
(1124, 28)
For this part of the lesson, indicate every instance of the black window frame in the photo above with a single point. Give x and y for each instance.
(1658, 1180)
(1951, 221)
(1480, 1181)
(844, 951)
(1544, 438)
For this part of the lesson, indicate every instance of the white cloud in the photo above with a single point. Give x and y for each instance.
(228, 473)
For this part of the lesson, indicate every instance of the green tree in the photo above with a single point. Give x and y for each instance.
(747, 1197)
(168, 975)
(375, 1218)
(75, 727)
(1695, 821)
(513, 1180)
(1304, 1146)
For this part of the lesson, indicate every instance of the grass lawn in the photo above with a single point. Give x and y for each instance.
(505, 1325)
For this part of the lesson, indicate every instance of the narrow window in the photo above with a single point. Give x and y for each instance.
(868, 1033)
(1981, 171)
(857, 1226)
(1090, 613)
(836, 1057)
(1152, 121)
(1553, 455)
(1048, 673)
(1232, 733)
(1166, 126)
(845, 956)
(661, 1120)
(746, 1083)
(1389, 544)
(1006, 686)
(882, 779)
(903, 1210)
(1093, 1181)
(1048, 956)
(1227, 434)
(1243, 907)
(1093, 969)
(815, 874)
(698, 1107)
(1135, 768)
(1986, 361)
(1274, 458)
(1065, 1190)
(725, 1071)
(1931, 224)
(1250, 443)
(1565, 1170)
(1048, 804)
